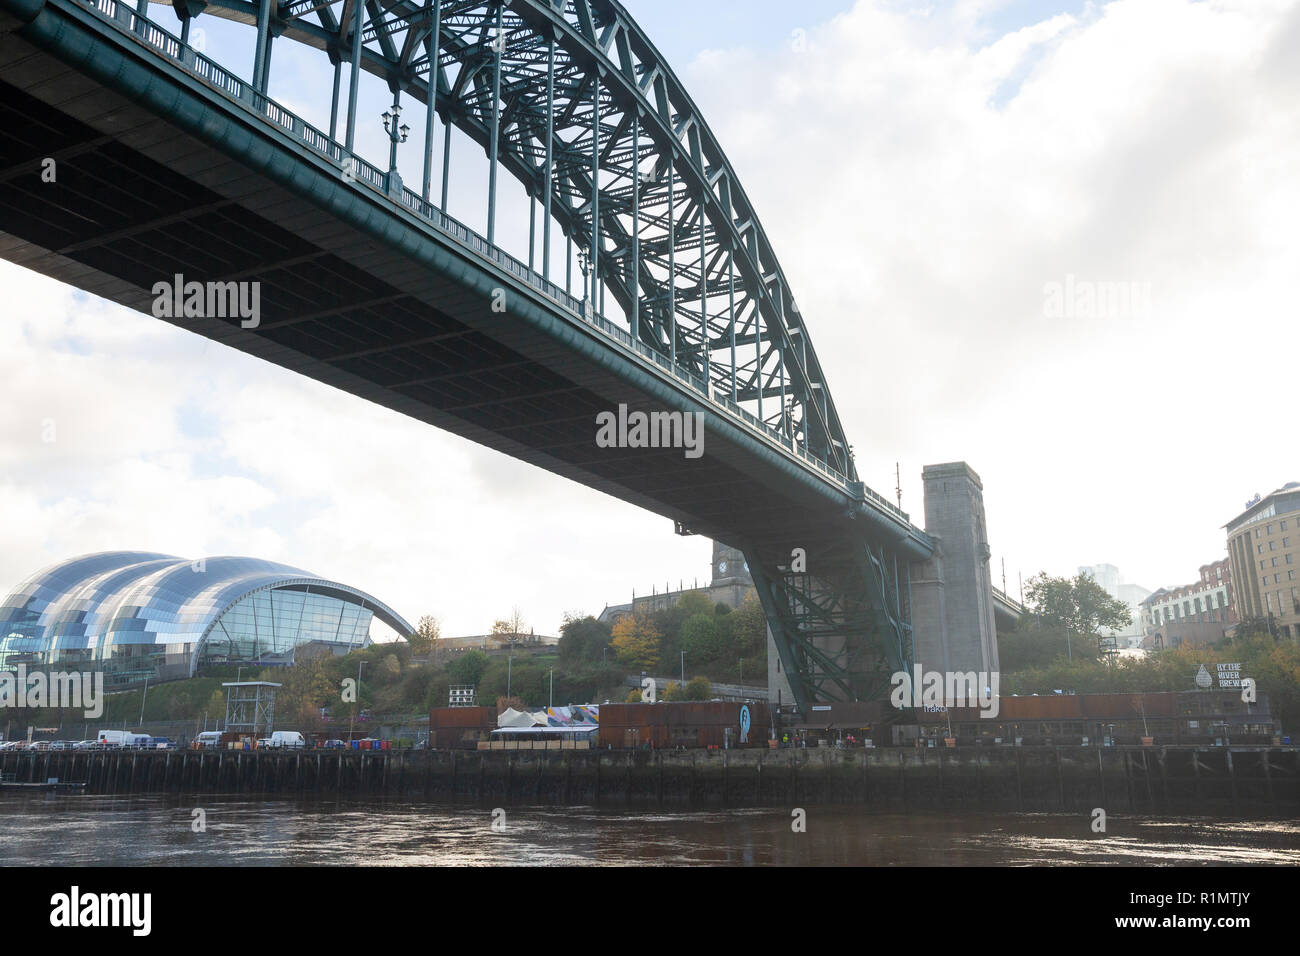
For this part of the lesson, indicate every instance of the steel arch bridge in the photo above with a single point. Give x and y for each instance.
(572, 100)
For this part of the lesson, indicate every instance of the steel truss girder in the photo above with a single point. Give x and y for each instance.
(842, 631)
(689, 257)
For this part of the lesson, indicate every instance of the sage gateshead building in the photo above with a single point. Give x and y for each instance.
(140, 616)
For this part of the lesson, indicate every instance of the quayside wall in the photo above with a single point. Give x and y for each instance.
(1222, 780)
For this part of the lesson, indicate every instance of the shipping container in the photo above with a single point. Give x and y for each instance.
(682, 724)
(449, 717)
(1054, 707)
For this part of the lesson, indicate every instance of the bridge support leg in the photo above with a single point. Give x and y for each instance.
(334, 98)
(357, 19)
(839, 626)
(262, 59)
(549, 169)
(495, 132)
(431, 96)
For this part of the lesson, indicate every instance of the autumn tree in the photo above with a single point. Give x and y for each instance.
(511, 629)
(426, 635)
(749, 628)
(636, 641)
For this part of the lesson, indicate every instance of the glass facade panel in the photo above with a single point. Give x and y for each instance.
(141, 615)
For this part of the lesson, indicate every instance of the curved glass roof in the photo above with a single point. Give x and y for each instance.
(99, 605)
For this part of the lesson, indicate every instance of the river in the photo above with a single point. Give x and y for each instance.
(160, 831)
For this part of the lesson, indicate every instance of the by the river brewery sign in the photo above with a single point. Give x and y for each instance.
(1228, 675)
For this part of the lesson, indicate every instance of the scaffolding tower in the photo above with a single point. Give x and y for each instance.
(250, 705)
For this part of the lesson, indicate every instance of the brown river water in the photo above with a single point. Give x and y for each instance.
(160, 831)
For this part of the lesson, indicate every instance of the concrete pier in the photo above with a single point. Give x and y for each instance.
(1159, 780)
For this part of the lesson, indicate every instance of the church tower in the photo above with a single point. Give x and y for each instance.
(729, 567)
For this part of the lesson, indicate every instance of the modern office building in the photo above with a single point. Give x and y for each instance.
(143, 616)
(1194, 614)
(1264, 548)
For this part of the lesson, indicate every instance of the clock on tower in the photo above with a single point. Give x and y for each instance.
(729, 566)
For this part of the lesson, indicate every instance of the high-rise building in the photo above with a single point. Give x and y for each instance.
(1264, 548)
(1110, 580)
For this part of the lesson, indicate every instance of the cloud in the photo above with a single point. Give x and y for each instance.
(923, 180)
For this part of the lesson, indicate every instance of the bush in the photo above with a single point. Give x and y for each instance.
(698, 688)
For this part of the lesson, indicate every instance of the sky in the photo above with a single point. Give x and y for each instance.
(947, 186)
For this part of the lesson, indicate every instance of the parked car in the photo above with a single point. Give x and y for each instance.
(60, 745)
(85, 745)
(41, 745)
(263, 742)
(334, 745)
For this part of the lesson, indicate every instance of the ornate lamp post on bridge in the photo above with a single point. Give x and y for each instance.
(584, 263)
(396, 135)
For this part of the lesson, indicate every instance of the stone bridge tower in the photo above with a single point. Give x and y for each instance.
(952, 592)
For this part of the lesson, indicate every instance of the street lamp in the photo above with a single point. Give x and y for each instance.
(395, 133)
(584, 263)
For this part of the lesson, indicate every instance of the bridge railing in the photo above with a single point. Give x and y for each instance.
(353, 167)
(1008, 599)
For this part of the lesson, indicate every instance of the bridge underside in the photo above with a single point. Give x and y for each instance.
(392, 312)
(136, 202)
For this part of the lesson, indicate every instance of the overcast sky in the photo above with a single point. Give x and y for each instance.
(934, 177)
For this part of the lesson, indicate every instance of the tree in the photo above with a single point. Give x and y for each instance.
(1080, 607)
(1032, 643)
(468, 668)
(582, 639)
(698, 688)
(510, 630)
(694, 602)
(389, 669)
(749, 630)
(703, 637)
(426, 635)
(636, 641)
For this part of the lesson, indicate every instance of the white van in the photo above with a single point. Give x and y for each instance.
(287, 738)
(207, 740)
(121, 738)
